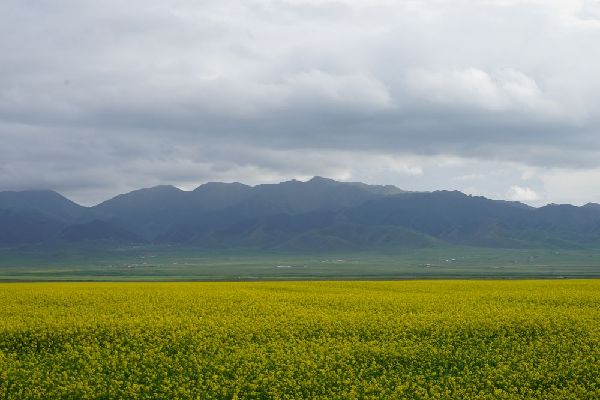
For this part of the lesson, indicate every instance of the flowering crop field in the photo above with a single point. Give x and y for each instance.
(297, 340)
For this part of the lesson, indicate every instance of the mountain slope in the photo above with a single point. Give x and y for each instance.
(97, 230)
(462, 219)
(167, 213)
(45, 202)
(313, 215)
(19, 227)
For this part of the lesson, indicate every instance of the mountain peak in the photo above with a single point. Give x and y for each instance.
(159, 189)
(47, 193)
(594, 206)
(320, 179)
(50, 203)
(163, 188)
(219, 185)
(381, 189)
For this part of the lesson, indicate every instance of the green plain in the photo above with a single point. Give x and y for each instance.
(181, 263)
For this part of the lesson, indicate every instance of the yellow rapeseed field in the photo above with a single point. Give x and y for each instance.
(301, 340)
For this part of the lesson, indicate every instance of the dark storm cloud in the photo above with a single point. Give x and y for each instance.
(97, 98)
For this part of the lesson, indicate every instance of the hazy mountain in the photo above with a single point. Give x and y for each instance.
(34, 216)
(46, 202)
(166, 212)
(218, 195)
(314, 215)
(451, 216)
(462, 219)
(592, 206)
(319, 194)
(145, 212)
(27, 226)
(98, 230)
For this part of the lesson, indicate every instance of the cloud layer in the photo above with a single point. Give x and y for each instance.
(493, 97)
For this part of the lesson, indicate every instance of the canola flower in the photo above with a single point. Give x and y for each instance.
(301, 340)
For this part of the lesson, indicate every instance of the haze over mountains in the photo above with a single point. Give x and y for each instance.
(320, 214)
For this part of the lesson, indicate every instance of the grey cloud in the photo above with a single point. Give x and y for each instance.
(96, 98)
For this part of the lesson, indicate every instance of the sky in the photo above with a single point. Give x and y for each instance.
(499, 98)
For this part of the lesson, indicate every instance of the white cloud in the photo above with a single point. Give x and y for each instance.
(590, 10)
(572, 186)
(524, 194)
(502, 90)
(359, 92)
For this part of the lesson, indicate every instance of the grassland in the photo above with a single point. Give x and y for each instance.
(405, 339)
(169, 263)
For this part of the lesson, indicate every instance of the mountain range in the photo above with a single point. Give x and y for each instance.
(319, 214)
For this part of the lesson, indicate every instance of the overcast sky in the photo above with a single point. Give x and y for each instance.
(493, 97)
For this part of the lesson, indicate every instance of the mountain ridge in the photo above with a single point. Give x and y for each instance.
(305, 215)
